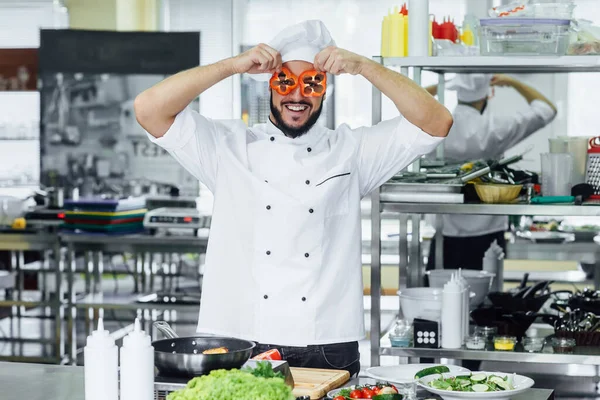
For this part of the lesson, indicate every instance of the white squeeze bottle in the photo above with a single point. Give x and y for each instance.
(452, 309)
(137, 365)
(466, 304)
(101, 365)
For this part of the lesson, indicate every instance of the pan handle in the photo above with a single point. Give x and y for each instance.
(165, 329)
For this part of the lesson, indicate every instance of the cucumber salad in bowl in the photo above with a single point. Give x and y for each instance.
(476, 385)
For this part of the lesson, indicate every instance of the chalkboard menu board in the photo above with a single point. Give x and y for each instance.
(72, 50)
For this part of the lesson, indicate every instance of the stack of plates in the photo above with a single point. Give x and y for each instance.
(105, 216)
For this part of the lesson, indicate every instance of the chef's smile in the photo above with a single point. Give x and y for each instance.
(296, 112)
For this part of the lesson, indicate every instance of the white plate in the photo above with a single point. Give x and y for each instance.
(406, 373)
(520, 382)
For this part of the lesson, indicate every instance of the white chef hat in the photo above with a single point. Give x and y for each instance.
(303, 41)
(300, 42)
(471, 87)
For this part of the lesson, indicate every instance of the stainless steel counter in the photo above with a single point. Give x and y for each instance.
(40, 382)
(52, 382)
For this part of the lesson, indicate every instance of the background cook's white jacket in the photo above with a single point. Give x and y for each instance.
(283, 264)
(483, 136)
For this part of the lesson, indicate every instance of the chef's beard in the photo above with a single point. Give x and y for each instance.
(294, 131)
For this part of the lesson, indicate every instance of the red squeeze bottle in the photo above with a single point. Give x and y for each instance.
(436, 30)
(404, 9)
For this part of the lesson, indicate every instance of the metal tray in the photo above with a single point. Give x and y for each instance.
(399, 187)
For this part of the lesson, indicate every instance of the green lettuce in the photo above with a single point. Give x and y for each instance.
(233, 385)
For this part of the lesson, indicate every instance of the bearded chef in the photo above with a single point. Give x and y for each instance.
(479, 133)
(283, 265)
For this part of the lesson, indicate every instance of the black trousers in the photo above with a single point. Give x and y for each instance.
(465, 253)
(342, 356)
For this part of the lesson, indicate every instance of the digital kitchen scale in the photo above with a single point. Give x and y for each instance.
(45, 217)
(171, 218)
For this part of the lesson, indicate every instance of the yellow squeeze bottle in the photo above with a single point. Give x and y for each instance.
(405, 35)
(385, 36)
(430, 38)
(395, 34)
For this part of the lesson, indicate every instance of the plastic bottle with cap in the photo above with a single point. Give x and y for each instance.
(101, 365)
(452, 308)
(466, 300)
(137, 365)
(493, 263)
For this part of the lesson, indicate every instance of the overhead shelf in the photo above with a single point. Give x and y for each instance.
(514, 64)
(583, 355)
(492, 209)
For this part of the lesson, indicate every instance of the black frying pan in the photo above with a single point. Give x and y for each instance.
(182, 356)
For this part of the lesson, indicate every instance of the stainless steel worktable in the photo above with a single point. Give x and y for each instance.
(52, 382)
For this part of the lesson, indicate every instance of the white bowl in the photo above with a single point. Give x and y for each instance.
(422, 302)
(425, 303)
(520, 382)
(480, 282)
(406, 373)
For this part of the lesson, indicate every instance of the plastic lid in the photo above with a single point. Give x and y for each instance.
(100, 337)
(137, 337)
(524, 21)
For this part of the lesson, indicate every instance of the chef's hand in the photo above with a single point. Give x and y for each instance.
(338, 61)
(502, 81)
(260, 59)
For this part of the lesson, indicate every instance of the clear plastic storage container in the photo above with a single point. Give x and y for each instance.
(556, 9)
(524, 36)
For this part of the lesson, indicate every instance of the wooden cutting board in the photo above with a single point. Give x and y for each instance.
(316, 383)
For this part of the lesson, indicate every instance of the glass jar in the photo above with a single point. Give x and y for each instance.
(533, 344)
(563, 345)
(476, 342)
(505, 343)
(402, 334)
(489, 332)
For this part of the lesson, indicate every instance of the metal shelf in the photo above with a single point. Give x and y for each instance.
(514, 64)
(127, 302)
(583, 355)
(383, 201)
(491, 209)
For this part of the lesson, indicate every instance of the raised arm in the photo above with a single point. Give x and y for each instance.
(412, 101)
(529, 93)
(157, 107)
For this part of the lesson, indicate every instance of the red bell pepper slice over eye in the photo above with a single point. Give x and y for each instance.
(313, 83)
(283, 82)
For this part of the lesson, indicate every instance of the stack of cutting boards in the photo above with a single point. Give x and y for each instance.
(316, 383)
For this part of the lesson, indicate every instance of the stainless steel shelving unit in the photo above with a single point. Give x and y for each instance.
(147, 253)
(383, 201)
(49, 248)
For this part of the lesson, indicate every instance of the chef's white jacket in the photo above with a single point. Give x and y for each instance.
(486, 136)
(283, 264)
